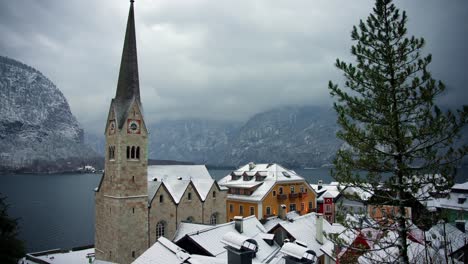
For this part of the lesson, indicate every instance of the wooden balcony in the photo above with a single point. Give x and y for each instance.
(281, 197)
(293, 195)
(303, 195)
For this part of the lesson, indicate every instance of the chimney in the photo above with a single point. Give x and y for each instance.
(298, 254)
(251, 165)
(240, 249)
(460, 224)
(282, 212)
(319, 185)
(239, 223)
(319, 228)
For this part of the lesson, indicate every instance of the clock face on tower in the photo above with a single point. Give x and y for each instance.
(111, 127)
(133, 126)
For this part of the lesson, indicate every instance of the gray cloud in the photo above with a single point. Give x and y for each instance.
(214, 59)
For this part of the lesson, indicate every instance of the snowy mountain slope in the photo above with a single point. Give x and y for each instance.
(293, 136)
(38, 132)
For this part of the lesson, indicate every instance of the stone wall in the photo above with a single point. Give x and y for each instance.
(162, 211)
(190, 208)
(215, 205)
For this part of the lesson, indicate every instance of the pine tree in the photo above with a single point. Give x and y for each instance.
(11, 248)
(398, 139)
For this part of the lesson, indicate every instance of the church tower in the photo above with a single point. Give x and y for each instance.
(121, 200)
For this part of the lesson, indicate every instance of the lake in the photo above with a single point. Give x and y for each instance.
(57, 210)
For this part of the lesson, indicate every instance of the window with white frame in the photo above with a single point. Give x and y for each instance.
(160, 229)
(213, 218)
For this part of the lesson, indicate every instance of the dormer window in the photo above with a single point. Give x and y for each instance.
(461, 200)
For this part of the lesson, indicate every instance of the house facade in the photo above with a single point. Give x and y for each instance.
(266, 190)
(454, 206)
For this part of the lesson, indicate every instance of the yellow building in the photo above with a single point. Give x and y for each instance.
(266, 190)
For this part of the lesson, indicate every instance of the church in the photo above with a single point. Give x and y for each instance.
(135, 204)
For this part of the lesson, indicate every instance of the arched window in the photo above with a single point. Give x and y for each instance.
(160, 229)
(213, 219)
(190, 219)
(280, 190)
(128, 152)
(138, 153)
(133, 152)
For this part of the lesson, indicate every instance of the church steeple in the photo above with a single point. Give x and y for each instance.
(121, 225)
(128, 87)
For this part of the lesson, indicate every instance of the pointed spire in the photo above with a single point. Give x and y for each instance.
(128, 86)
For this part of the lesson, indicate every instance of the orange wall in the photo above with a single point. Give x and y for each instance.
(273, 202)
(375, 211)
(236, 207)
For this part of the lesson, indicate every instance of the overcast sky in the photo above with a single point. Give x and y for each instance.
(222, 60)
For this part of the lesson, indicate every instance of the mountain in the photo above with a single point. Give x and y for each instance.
(199, 141)
(292, 136)
(38, 132)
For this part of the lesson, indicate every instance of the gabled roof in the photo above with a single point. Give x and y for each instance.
(332, 190)
(209, 237)
(164, 252)
(176, 179)
(271, 174)
(303, 228)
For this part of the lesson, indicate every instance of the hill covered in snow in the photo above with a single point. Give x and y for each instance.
(38, 132)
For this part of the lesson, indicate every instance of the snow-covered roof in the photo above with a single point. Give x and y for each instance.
(455, 201)
(303, 228)
(176, 188)
(72, 257)
(361, 193)
(186, 172)
(271, 173)
(460, 186)
(176, 179)
(209, 237)
(164, 252)
(440, 233)
(334, 189)
(331, 190)
(386, 251)
(296, 251)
